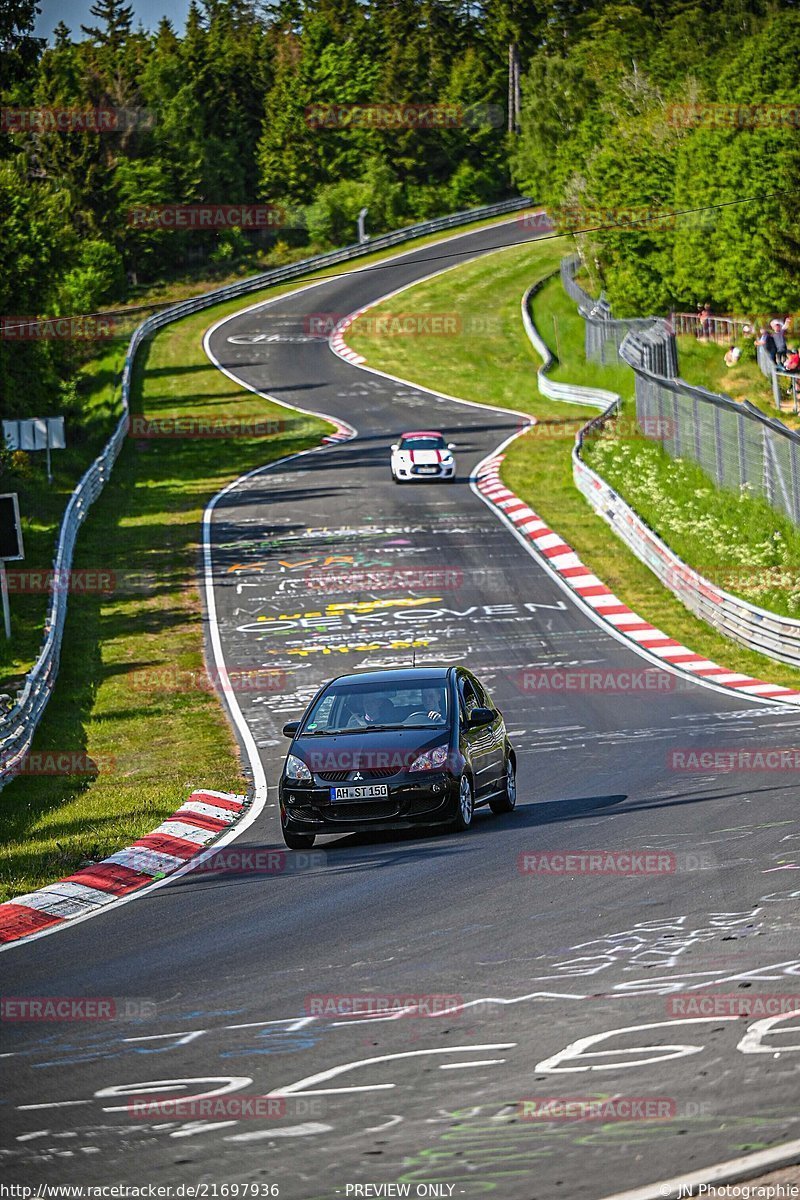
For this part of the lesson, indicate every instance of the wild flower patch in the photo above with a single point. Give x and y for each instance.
(733, 538)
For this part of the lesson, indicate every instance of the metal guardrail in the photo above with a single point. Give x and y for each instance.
(756, 628)
(603, 334)
(739, 446)
(571, 393)
(18, 725)
(569, 268)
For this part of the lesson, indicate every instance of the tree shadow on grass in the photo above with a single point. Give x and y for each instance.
(121, 535)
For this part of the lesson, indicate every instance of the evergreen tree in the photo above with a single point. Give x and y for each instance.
(116, 18)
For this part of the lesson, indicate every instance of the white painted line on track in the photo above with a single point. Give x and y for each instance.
(603, 623)
(577, 599)
(347, 432)
(747, 1166)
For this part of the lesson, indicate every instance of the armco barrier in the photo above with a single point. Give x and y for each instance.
(18, 725)
(756, 628)
(604, 334)
(569, 392)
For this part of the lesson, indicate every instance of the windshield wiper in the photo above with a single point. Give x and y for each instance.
(356, 729)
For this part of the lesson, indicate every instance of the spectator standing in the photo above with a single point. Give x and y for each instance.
(705, 321)
(766, 341)
(779, 337)
(792, 361)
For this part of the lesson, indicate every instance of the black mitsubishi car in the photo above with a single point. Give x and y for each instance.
(399, 749)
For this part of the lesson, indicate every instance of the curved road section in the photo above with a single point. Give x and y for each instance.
(586, 996)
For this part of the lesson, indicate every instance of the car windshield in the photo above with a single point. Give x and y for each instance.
(364, 706)
(423, 443)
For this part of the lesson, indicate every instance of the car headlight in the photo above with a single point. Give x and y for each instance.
(430, 759)
(297, 771)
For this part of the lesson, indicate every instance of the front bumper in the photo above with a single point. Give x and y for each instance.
(415, 475)
(425, 798)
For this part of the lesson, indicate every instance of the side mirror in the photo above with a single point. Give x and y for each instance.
(451, 445)
(395, 447)
(479, 717)
(291, 728)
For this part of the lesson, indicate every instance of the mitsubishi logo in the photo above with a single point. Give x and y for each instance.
(358, 775)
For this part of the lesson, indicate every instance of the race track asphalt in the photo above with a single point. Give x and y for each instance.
(231, 966)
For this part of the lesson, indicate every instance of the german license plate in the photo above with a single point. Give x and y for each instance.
(369, 791)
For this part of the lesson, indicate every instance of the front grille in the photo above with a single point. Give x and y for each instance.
(367, 773)
(363, 810)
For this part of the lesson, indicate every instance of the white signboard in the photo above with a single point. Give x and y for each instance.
(38, 433)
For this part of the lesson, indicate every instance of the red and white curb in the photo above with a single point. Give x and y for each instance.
(563, 559)
(339, 345)
(342, 433)
(201, 819)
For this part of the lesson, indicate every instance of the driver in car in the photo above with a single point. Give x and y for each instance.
(432, 703)
(369, 710)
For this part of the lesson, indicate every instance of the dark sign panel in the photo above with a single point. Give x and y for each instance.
(10, 529)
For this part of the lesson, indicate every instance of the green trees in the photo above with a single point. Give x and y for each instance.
(270, 102)
(666, 107)
(221, 113)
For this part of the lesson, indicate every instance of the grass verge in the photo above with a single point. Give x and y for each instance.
(132, 694)
(501, 371)
(42, 505)
(703, 363)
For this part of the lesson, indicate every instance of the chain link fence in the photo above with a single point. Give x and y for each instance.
(735, 443)
(604, 334)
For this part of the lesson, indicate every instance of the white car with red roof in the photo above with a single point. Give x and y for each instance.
(422, 454)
